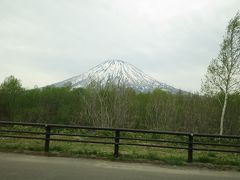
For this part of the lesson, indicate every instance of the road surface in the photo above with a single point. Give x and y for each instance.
(29, 167)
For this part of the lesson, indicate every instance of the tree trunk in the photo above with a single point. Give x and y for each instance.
(223, 113)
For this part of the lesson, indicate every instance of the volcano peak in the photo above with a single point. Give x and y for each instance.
(117, 72)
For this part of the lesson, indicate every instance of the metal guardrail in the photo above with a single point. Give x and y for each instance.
(118, 139)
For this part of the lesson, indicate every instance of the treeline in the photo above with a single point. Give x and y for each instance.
(112, 106)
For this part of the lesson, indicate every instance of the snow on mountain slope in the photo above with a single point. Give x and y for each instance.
(117, 72)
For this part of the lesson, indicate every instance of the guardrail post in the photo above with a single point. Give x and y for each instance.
(47, 137)
(116, 145)
(190, 148)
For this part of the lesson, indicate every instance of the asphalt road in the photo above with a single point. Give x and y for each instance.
(28, 167)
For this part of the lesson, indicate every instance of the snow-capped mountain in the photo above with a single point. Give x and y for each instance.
(117, 72)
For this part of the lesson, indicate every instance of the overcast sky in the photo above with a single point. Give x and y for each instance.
(46, 41)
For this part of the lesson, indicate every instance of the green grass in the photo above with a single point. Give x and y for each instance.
(218, 158)
(126, 153)
(129, 153)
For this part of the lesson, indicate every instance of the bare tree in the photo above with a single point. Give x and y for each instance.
(223, 74)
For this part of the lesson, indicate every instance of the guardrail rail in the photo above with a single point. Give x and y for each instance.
(123, 137)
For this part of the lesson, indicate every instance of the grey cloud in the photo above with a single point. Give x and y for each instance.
(42, 42)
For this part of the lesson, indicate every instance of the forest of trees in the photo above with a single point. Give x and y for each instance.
(112, 106)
